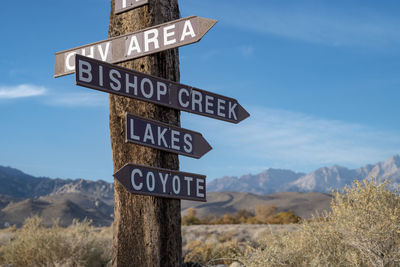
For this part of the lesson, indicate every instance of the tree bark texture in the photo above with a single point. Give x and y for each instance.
(147, 230)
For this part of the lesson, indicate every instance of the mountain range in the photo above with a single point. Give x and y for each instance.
(23, 195)
(322, 180)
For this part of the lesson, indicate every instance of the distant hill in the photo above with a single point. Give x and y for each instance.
(64, 210)
(266, 182)
(303, 204)
(15, 183)
(22, 195)
(336, 177)
(321, 180)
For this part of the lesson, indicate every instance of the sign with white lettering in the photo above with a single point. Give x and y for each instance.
(165, 137)
(144, 180)
(125, 5)
(138, 44)
(113, 79)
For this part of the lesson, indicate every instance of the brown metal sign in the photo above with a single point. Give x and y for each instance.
(165, 137)
(144, 180)
(126, 5)
(137, 44)
(113, 79)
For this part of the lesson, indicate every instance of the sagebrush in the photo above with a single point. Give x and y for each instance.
(363, 229)
(263, 215)
(37, 245)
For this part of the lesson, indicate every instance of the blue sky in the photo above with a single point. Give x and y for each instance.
(320, 79)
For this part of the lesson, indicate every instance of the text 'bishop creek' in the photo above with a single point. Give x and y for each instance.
(156, 90)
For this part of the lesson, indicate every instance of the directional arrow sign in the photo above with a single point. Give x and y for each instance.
(137, 44)
(144, 180)
(125, 5)
(113, 79)
(165, 137)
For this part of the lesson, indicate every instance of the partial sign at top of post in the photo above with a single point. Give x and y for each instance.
(126, 5)
(137, 44)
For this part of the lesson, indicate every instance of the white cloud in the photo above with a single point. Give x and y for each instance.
(285, 139)
(88, 99)
(50, 97)
(302, 138)
(20, 91)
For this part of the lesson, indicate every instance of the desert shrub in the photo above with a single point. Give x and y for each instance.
(368, 216)
(263, 213)
(252, 220)
(36, 245)
(6, 235)
(210, 253)
(361, 230)
(244, 214)
(190, 218)
(228, 218)
(284, 217)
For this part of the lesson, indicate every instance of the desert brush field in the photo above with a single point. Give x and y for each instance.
(362, 229)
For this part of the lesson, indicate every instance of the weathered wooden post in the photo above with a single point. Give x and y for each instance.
(147, 229)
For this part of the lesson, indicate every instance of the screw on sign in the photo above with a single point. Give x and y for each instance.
(126, 5)
(137, 44)
(144, 180)
(95, 74)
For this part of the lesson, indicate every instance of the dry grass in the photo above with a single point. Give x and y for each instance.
(211, 253)
(36, 245)
(263, 215)
(217, 244)
(362, 230)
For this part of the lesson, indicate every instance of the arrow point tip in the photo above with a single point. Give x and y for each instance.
(204, 146)
(205, 25)
(117, 173)
(209, 147)
(242, 114)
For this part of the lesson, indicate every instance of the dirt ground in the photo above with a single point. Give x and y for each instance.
(240, 232)
(5, 236)
(210, 233)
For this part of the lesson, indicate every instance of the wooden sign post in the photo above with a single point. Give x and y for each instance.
(145, 102)
(147, 229)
